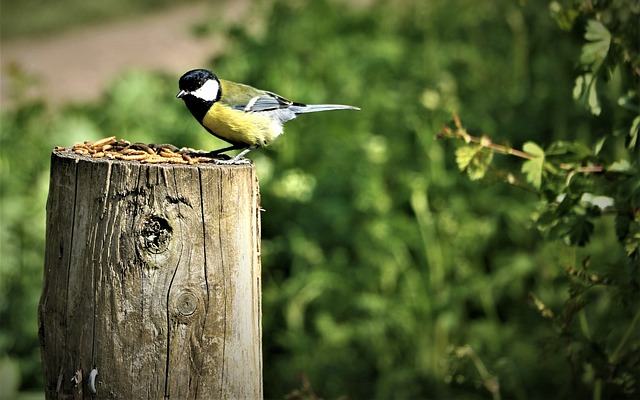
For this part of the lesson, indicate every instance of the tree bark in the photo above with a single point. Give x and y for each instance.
(151, 281)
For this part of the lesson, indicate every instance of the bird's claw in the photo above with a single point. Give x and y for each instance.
(232, 161)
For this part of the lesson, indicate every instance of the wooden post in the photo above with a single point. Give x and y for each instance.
(152, 281)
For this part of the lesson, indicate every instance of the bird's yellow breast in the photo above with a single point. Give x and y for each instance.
(237, 126)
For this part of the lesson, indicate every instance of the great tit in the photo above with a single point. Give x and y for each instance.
(239, 114)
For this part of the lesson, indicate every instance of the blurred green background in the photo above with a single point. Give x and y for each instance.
(387, 273)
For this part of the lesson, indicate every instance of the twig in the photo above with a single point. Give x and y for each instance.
(485, 141)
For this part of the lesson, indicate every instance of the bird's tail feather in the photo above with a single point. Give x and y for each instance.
(320, 107)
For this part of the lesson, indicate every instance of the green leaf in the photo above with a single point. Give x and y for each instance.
(634, 131)
(564, 16)
(632, 246)
(562, 147)
(593, 55)
(533, 168)
(474, 160)
(621, 166)
(464, 156)
(533, 149)
(567, 204)
(584, 91)
(599, 144)
(630, 102)
(599, 39)
(580, 230)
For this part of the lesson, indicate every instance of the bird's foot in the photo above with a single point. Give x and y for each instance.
(232, 161)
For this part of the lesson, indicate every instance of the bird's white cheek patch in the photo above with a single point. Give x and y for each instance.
(208, 91)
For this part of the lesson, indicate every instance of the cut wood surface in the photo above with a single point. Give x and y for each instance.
(152, 281)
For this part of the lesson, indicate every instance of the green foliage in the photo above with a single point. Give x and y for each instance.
(581, 186)
(594, 53)
(387, 274)
(474, 159)
(23, 180)
(533, 168)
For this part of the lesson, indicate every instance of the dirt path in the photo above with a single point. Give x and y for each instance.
(75, 66)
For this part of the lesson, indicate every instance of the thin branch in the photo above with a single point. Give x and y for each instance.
(586, 170)
(485, 141)
(461, 133)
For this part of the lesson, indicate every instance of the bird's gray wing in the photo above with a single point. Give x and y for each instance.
(268, 101)
(249, 99)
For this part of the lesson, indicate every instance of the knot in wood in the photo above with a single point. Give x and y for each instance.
(187, 304)
(155, 235)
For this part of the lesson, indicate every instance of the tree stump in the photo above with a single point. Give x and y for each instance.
(152, 281)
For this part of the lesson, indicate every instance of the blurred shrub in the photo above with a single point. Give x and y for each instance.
(386, 273)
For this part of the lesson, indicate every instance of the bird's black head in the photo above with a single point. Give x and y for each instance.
(199, 89)
(200, 84)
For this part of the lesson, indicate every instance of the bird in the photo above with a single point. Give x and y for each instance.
(245, 117)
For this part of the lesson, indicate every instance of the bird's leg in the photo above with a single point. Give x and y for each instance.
(212, 154)
(245, 151)
(239, 159)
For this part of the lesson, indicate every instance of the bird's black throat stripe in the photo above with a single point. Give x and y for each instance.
(197, 106)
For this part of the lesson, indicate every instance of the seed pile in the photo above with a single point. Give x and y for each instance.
(114, 149)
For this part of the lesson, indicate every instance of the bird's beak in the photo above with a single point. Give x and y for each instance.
(181, 94)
